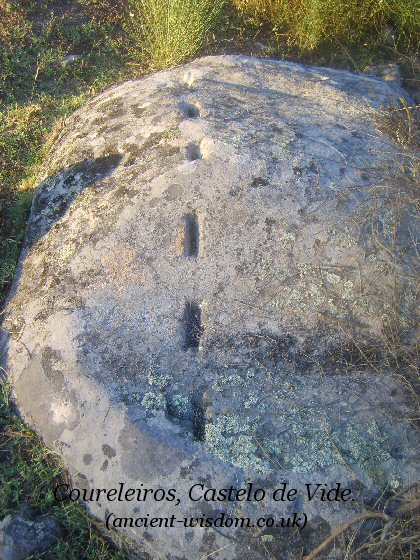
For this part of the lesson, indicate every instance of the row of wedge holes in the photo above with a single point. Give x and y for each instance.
(193, 313)
(191, 111)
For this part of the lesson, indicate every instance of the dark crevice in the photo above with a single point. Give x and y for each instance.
(193, 325)
(193, 152)
(199, 420)
(190, 110)
(191, 235)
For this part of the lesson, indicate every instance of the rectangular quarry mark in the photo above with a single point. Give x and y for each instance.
(193, 325)
(191, 235)
(194, 152)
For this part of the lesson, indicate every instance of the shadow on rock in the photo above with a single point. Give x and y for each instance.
(56, 194)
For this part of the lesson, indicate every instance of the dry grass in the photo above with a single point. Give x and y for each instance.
(104, 11)
(308, 23)
(402, 124)
(13, 26)
(395, 534)
(170, 31)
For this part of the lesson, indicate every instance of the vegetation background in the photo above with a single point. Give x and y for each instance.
(113, 40)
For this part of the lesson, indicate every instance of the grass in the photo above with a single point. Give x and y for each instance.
(309, 23)
(37, 93)
(170, 31)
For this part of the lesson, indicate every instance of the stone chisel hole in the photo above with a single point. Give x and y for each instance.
(193, 152)
(190, 110)
(199, 420)
(191, 235)
(193, 325)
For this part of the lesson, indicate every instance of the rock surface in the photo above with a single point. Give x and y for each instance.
(21, 536)
(202, 296)
(70, 59)
(388, 72)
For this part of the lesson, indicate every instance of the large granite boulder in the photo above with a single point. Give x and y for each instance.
(203, 299)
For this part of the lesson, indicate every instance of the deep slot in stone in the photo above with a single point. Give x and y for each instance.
(193, 326)
(193, 152)
(191, 235)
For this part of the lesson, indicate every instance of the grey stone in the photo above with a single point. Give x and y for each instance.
(70, 59)
(21, 535)
(391, 73)
(198, 280)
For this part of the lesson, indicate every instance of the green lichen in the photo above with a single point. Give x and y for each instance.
(303, 270)
(65, 253)
(344, 237)
(237, 141)
(316, 448)
(180, 405)
(229, 438)
(330, 277)
(264, 269)
(157, 378)
(153, 401)
(283, 140)
(348, 289)
(267, 538)
(366, 449)
(395, 482)
(226, 380)
(386, 219)
(252, 400)
(287, 240)
(172, 133)
(315, 295)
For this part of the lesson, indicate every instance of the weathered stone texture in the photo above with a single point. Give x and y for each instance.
(197, 281)
(22, 535)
